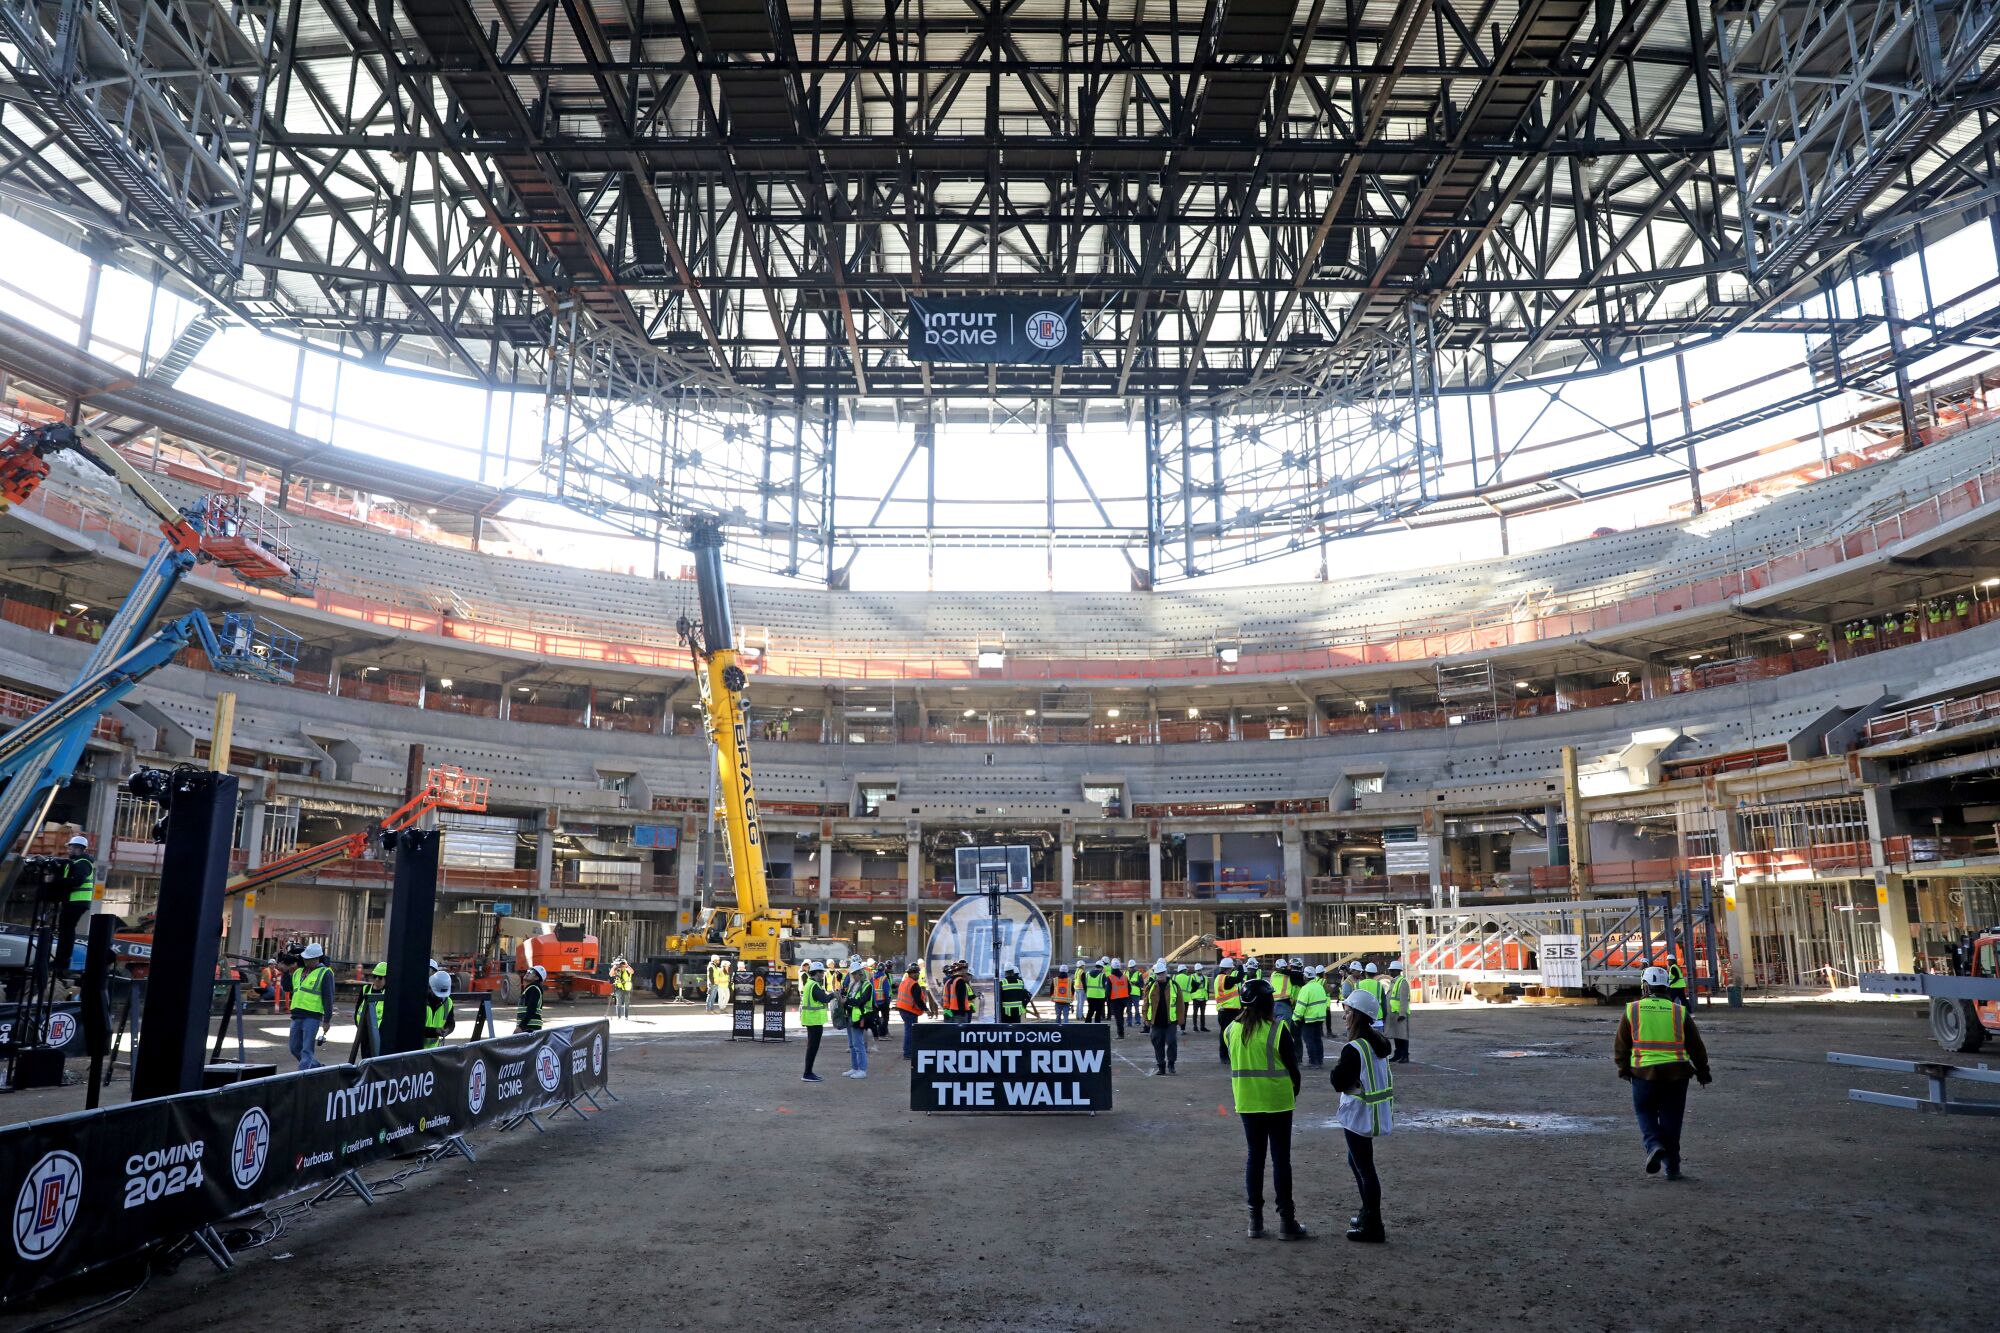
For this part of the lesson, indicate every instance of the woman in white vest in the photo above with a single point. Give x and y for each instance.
(1367, 1107)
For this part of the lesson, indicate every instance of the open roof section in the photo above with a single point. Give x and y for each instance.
(1265, 207)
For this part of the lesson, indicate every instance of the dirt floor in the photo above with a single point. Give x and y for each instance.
(722, 1192)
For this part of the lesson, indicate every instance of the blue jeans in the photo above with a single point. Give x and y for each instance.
(909, 1035)
(1062, 1013)
(1659, 1105)
(857, 1046)
(305, 1032)
(1315, 1045)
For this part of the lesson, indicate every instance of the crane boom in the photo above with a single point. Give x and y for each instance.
(757, 936)
(445, 788)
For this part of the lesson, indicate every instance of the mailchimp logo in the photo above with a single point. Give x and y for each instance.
(47, 1204)
(548, 1069)
(1047, 330)
(249, 1149)
(59, 1029)
(475, 1088)
(597, 1055)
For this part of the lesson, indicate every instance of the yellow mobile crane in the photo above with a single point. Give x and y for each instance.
(755, 931)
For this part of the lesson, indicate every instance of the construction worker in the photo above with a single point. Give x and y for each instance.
(1397, 1026)
(528, 1014)
(1096, 988)
(1062, 990)
(1119, 990)
(718, 985)
(1367, 1106)
(368, 1008)
(1013, 998)
(813, 1000)
(439, 1012)
(1228, 1001)
(79, 887)
(1161, 1004)
(312, 1004)
(912, 1003)
(1135, 976)
(858, 996)
(1371, 982)
(1264, 1082)
(1282, 987)
(621, 987)
(881, 983)
(1677, 982)
(1197, 997)
(1657, 1050)
(1350, 979)
(1310, 1007)
(958, 992)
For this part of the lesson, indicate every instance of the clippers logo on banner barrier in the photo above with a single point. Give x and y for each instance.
(1012, 1068)
(966, 931)
(997, 330)
(95, 1186)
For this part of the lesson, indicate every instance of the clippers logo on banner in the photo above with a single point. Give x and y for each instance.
(996, 330)
(47, 1204)
(250, 1147)
(93, 1187)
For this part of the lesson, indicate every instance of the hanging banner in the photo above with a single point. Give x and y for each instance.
(997, 330)
(1011, 1068)
(86, 1189)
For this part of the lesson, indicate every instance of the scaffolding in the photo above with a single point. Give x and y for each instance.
(1619, 939)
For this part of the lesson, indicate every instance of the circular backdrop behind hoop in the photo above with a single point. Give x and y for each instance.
(964, 931)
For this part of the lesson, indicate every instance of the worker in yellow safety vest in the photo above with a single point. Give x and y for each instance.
(1263, 1058)
(1228, 1001)
(1677, 982)
(1658, 1050)
(1310, 1010)
(439, 1011)
(1396, 1026)
(312, 1004)
(1160, 1007)
(814, 998)
(1371, 981)
(1096, 989)
(621, 987)
(368, 1008)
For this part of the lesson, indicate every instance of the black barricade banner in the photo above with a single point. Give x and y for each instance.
(997, 330)
(89, 1188)
(1011, 1068)
(63, 1026)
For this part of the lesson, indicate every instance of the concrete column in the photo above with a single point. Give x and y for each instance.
(1066, 868)
(826, 878)
(1291, 844)
(1434, 863)
(687, 872)
(829, 720)
(1899, 951)
(913, 888)
(1155, 895)
(1880, 811)
(545, 859)
(243, 906)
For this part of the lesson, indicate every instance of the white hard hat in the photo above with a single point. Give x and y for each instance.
(1159, 962)
(540, 971)
(1227, 964)
(1396, 966)
(1354, 966)
(1180, 967)
(1373, 970)
(312, 951)
(1104, 962)
(79, 841)
(1365, 1001)
(818, 965)
(854, 960)
(440, 984)
(1655, 976)
(1314, 970)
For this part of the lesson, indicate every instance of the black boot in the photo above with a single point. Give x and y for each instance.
(1256, 1224)
(1289, 1228)
(1369, 1229)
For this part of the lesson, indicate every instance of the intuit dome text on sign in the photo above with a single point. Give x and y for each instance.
(1009, 1068)
(997, 330)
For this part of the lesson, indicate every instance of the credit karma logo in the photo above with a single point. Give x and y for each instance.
(46, 1205)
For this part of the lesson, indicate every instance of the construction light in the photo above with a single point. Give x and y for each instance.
(1523, 685)
(1362, 704)
(79, 606)
(1455, 720)
(1284, 708)
(991, 657)
(970, 712)
(444, 682)
(518, 689)
(1694, 657)
(1988, 583)
(1111, 712)
(1795, 636)
(1194, 712)
(1228, 652)
(1031, 712)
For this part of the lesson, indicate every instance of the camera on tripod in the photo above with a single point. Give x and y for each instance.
(45, 876)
